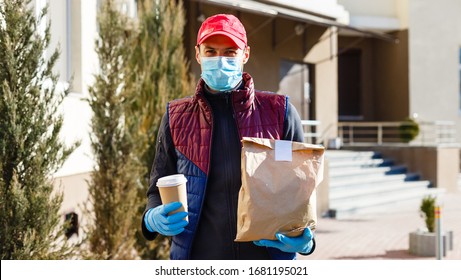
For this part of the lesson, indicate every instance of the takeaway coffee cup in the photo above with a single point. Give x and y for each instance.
(173, 188)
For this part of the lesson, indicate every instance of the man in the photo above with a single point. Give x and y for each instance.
(200, 137)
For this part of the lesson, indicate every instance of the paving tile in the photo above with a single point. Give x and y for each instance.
(383, 235)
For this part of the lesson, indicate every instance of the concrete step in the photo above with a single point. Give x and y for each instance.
(378, 179)
(348, 155)
(358, 171)
(366, 171)
(362, 182)
(362, 162)
(386, 204)
(370, 200)
(349, 194)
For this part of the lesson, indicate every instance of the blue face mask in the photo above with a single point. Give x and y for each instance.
(221, 73)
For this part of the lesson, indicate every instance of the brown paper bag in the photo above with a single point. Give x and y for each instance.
(277, 196)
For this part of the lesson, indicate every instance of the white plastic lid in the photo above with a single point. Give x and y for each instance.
(171, 181)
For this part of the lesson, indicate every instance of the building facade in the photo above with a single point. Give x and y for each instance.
(338, 60)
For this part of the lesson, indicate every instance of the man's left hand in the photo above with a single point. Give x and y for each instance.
(300, 244)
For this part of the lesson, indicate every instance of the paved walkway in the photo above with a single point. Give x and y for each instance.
(384, 235)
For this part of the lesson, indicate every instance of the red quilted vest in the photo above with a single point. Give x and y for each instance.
(258, 114)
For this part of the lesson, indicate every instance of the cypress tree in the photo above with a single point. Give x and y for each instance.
(30, 148)
(159, 73)
(113, 184)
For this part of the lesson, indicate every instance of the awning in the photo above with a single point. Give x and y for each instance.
(271, 10)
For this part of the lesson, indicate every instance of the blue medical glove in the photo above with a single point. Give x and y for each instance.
(157, 219)
(300, 244)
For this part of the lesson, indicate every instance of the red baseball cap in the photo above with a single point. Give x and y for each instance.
(223, 24)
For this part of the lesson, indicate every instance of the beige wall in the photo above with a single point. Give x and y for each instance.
(434, 42)
(327, 8)
(402, 7)
(76, 46)
(76, 111)
(79, 55)
(76, 195)
(88, 33)
(390, 73)
(386, 8)
(275, 41)
(430, 39)
(83, 65)
(324, 57)
(384, 76)
(57, 14)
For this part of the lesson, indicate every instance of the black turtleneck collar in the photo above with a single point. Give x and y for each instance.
(221, 94)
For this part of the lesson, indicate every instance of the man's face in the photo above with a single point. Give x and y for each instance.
(220, 45)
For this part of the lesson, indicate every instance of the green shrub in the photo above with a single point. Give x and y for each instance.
(427, 209)
(31, 150)
(408, 130)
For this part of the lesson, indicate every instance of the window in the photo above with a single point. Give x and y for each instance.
(73, 225)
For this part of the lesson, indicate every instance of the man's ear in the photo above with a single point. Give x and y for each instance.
(246, 54)
(197, 54)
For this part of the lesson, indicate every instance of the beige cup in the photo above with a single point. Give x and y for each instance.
(173, 188)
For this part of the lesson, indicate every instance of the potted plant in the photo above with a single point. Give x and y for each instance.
(427, 212)
(423, 241)
(408, 130)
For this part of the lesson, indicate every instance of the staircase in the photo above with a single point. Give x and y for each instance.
(363, 182)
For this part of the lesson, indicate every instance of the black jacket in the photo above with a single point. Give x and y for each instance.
(217, 227)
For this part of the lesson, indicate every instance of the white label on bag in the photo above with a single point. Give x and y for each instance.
(283, 150)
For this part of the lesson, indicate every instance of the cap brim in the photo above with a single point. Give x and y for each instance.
(238, 42)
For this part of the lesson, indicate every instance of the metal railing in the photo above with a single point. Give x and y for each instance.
(437, 132)
(378, 133)
(311, 131)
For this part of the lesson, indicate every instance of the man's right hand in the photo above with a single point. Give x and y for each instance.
(157, 219)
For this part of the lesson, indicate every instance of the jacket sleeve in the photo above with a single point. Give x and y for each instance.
(293, 130)
(164, 164)
(292, 127)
